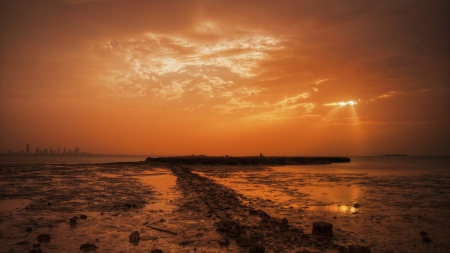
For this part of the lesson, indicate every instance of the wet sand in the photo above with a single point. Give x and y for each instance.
(210, 209)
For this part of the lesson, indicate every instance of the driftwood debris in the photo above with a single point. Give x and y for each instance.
(162, 230)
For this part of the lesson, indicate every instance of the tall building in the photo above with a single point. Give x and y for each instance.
(28, 149)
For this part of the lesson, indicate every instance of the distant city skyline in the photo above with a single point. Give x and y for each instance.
(48, 151)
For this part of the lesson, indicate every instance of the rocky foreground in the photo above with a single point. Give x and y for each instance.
(106, 208)
(255, 230)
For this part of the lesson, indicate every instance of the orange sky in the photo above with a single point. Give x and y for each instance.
(226, 77)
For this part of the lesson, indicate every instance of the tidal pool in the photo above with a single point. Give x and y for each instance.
(164, 184)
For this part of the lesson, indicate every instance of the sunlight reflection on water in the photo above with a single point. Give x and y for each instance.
(164, 183)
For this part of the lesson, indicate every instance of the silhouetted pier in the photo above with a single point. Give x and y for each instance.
(249, 160)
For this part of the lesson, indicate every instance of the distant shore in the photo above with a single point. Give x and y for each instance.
(249, 160)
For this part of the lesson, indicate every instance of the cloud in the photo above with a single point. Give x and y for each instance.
(174, 90)
(242, 106)
(211, 66)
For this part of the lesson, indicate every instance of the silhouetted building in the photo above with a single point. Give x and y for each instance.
(28, 149)
(76, 151)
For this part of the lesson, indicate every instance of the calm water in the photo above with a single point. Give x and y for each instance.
(69, 159)
(380, 165)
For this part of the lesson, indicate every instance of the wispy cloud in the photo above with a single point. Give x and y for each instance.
(242, 106)
(163, 59)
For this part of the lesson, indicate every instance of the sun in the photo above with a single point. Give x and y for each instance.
(351, 103)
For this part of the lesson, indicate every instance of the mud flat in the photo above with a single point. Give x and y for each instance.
(139, 208)
(156, 207)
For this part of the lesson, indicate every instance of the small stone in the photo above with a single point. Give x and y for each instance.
(257, 248)
(29, 229)
(322, 228)
(83, 217)
(162, 220)
(88, 247)
(356, 205)
(134, 238)
(156, 251)
(284, 222)
(44, 238)
(426, 239)
(73, 222)
(423, 233)
(358, 249)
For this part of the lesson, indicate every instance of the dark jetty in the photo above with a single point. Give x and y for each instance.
(249, 160)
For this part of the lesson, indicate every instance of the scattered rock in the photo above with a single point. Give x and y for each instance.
(162, 220)
(156, 251)
(73, 222)
(29, 229)
(83, 217)
(134, 238)
(426, 239)
(356, 205)
(257, 248)
(44, 238)
(184, 243)
(423, 233)
(358, 249)
(88, 247)
(35, 250)
(322, 228)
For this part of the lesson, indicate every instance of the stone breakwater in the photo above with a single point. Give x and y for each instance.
(253, 228)
(249, 160)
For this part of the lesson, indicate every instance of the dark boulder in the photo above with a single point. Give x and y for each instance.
(134, 238)
(44, 238)
(73, 222)
(257, 248)
(426, 239)
(156, 251)
(88, 247)
(322, 228)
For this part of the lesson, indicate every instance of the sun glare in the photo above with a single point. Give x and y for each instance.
(351, 103)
